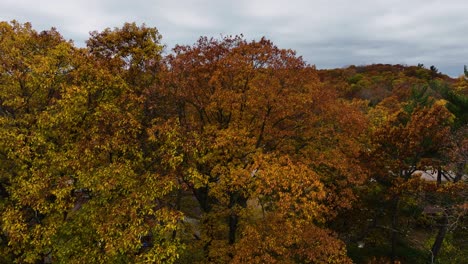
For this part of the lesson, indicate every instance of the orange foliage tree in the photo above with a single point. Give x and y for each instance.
(234, 102)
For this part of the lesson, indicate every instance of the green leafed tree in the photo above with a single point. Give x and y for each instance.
(80, 183)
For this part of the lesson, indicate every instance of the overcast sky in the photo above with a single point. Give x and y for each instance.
(327, 33)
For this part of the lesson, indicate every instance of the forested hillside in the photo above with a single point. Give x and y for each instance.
(225, 151)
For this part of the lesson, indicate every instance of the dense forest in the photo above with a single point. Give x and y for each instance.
(224, 151)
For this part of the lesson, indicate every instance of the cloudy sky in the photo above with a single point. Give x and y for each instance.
(327, 33)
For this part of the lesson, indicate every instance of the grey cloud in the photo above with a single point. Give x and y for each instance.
(328, 34)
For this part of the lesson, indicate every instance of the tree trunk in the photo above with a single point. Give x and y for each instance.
(203, 199)
(177, 207)
(459, 172)
(233, 221)
(439, 176)
(235, 199)
(394, 228)
(440, 238)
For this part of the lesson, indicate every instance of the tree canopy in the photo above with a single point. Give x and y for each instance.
(227, 150)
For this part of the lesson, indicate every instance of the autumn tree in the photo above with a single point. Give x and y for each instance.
(290, 227)
(403, 143)
(234, 102)
(134, 52)
(81, 185)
